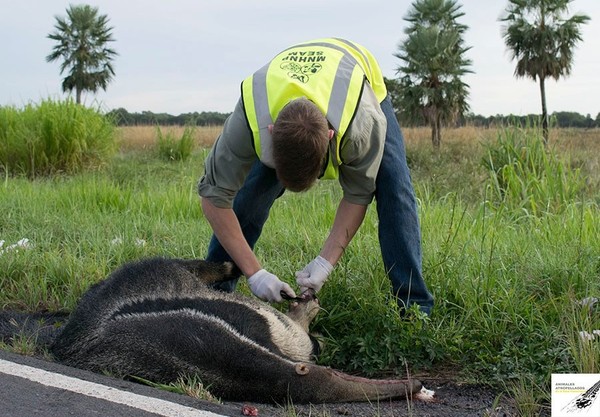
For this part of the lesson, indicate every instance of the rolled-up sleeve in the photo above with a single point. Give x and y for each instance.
(362, 150)
(229, 161)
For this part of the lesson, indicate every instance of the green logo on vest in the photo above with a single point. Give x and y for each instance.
(300, 65)
(300, 72)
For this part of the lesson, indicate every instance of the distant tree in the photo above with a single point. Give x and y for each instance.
(82, 40)
(120, 117)
(477, 120)
(542, 41)
(570, 119)
(433, 64)
(393, 88)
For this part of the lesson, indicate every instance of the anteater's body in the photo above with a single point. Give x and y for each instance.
(160, 319)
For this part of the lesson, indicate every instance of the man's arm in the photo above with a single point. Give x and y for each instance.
(227, 229)
(348, 218)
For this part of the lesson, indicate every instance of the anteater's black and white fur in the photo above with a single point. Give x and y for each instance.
(160, 319)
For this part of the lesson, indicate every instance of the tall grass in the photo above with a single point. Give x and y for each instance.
(507, 289)
(526, 176)
(171, 148)
(52, 137)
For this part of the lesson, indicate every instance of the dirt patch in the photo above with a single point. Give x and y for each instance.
(451, 400)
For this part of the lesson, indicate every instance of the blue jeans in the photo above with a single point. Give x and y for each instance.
(399, 232)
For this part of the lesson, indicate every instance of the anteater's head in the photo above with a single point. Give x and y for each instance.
(305, 307)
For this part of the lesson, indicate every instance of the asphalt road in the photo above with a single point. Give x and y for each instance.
(31, 387)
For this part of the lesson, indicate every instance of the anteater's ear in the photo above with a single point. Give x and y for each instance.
(228, 268)
(209, 272)
(230, 271)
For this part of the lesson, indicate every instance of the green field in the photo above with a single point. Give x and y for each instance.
(508, 268)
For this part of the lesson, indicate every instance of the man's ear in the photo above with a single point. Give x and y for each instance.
(270, 127)
(331, 134)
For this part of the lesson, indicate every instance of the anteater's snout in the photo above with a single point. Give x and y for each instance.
(308, 295)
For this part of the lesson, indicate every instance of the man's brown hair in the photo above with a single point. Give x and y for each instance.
(300, 141)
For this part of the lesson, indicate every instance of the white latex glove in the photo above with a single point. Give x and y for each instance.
(314, 274)
(268, 287)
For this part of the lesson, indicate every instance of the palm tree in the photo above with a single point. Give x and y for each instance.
(81, 42)
(542, 41)
(434, 61)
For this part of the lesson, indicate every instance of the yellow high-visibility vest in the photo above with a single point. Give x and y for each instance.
(330, 72)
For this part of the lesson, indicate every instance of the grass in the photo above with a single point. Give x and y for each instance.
(507, 281)
(190, 386)
(173, 149)
(53, 137)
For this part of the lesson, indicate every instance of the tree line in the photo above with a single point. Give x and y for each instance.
(122, 117)
(558, 119)
(564, 119)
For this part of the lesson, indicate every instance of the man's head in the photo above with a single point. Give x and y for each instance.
(300, 140)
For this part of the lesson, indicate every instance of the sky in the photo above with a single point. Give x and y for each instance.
(184, 56)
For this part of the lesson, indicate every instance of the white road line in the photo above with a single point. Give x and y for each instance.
(91, 389)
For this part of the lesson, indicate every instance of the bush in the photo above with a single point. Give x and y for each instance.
(172, 149)
(53, 137)
(527, 176)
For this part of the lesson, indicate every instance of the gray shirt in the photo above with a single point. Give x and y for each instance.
(232, 156)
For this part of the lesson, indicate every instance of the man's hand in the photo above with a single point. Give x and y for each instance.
(314, 274)
(268, 287)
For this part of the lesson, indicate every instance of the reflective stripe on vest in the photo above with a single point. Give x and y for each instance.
(336, 93)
